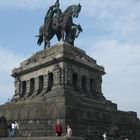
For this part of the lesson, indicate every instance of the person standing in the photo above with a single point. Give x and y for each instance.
(58, 128)
(16, 128)
(69, 131)
(104, 136)
(13, 129)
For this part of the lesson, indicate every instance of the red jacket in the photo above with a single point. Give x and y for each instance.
(58, 128)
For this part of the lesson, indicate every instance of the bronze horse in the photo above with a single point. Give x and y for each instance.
(64, 28)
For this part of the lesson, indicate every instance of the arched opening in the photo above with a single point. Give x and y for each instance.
(92, 85)
(84, 81)
(50, 81)
(41, 83)
(75, 81)
(32, 85)
(23, 86)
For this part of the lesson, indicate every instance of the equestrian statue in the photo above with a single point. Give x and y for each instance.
(60, 24)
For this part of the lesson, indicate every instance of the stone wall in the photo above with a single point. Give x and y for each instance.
(36, 119)
(93, 119)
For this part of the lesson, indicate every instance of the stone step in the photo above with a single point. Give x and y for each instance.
(42, 138)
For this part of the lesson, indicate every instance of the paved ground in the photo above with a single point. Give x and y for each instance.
(42, 138)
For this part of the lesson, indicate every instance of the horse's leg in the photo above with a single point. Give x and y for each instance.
(40, 36)
(62, 34)
(58, 36)
(45, 41)
(45, 44)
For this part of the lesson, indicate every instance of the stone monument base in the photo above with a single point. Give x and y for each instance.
(64, 83)
(42, 138)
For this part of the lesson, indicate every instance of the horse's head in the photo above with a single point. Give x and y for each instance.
(73, 10)
(76, 10)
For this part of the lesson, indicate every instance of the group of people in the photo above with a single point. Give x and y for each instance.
(58, 130)
(13, 128)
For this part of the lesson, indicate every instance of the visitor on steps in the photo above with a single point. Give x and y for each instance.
(69, 131)
(13, 129)
(58, 128)
(16, 128)
(104, 136)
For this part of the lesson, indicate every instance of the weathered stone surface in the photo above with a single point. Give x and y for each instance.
(3, 127)
(63, 82)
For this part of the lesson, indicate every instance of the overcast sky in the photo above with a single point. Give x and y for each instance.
(111, 35)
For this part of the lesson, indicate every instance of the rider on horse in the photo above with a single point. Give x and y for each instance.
(54, 12)
(60, 24)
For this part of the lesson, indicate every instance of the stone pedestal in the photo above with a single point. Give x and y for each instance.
(63, 82)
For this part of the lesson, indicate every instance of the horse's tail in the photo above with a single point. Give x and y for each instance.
(40, 39)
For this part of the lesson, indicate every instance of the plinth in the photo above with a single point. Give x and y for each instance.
(63, 82)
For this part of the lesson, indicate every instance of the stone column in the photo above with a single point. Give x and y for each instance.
(98, 87)
(45, 88)
(63, 77)
(79, 84)
(98, 82)
(23, 89)
(88, 87)
(17, 86)
(36, 86)
(17, 94)
(27, 89)
(93, 87)
(68, 76)
(56, 75)
(45, 81)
